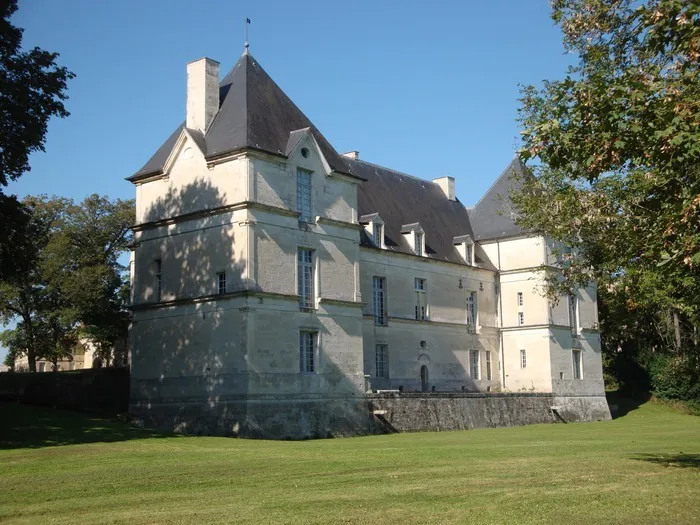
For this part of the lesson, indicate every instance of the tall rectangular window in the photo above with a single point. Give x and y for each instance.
(419, 243)
(471, 311)
(421, 301)
(523, 359)
(381, 360)
(469, 253)
(221, 282)
(520, 298)
(573, 312)
(576, 355)
(307, 352)
(521, 318)
(304, 195)
(305, 277)
(158, 285)
(379, 300)
(378, 234)
(474, 364)
(489, 374)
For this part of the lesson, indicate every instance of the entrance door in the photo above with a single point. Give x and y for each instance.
(424, 378)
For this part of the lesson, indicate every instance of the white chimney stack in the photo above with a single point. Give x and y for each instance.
(447, 185)
(202, 93)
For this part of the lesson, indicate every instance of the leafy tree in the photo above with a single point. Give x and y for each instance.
(82, 265)
(32, 90)
(616, 145)
(71, 283)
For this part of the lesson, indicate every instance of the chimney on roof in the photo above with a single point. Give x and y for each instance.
(447, 185)
(202, 93)
(354, 155)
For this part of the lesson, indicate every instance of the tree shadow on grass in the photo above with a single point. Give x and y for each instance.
(23, 426)
(672, 460)
(621, 403)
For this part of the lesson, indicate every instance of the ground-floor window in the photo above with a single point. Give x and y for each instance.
(489, 374)
(381, 360)
(307, 343)
(474, 364)
(576, 354)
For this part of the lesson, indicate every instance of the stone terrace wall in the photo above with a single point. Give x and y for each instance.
(458, 411)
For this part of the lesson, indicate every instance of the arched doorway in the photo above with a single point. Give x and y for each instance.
(424, 378)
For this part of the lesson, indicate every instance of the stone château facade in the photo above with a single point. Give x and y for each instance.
(280, 287)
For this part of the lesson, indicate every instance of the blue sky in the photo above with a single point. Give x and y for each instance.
(429, 88)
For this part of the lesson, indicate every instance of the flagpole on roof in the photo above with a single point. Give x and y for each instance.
(247, 45)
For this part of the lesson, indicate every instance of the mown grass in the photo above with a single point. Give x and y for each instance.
(641, 468)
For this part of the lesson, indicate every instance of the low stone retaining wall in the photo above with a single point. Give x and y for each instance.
(307, 417)
(458, 411)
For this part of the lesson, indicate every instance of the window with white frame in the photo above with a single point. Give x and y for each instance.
(304, 195)
(158, 285)
(521, 318)
(307, 352)
(418, 243)
(523, 359)
(378, 234)
(379, 300)
(305, 277)
(469, 253)
(421, 301)
(576, 356)
(489, 373)
(381, 360)
(520, 298)
(221, 282)
(471, 311)
(474, 364)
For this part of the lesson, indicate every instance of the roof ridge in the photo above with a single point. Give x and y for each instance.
(494, 183)
(390, 169)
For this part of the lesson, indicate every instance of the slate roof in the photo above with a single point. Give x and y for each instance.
(253, 113)
(401, 199)
(492, 217)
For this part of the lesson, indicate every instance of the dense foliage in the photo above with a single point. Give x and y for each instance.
(615, 148)
(32, 90)
(70, 284)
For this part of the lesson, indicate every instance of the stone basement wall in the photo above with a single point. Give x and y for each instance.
(457, 411)
(307, 418)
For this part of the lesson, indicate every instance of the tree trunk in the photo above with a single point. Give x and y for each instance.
(677, 331)
(31, 351)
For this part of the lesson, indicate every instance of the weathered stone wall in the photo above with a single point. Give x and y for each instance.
(265, 417)
(457, 411)
(317, 416)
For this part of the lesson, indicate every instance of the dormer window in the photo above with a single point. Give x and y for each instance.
(374, 227)
(304, 206)
(415, 237)
(378, 234)
(465, 247)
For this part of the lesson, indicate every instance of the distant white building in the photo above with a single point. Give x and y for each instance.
(84, 355)
(275, 281)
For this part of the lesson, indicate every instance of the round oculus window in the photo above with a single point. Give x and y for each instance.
(305, 152)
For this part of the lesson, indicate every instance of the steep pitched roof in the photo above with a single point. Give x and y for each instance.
(253, 113)
(401, 200)
(493, 216)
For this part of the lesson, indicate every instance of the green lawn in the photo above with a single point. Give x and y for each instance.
(59, 467)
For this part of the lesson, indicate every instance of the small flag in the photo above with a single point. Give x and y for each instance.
(247, 20)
